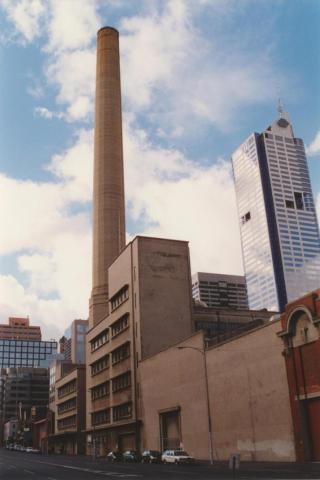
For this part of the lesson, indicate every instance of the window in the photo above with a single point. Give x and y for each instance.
(99, 340)
(121, 382)
(120, 325)
(245, 218)
(67, 422)
(100, 391)
(122, 411)
(289, 204)
(100, 365)
(102, 416)
(119, 297)
(298, 200)
(120, 353)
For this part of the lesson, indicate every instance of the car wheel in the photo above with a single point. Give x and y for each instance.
(176, 462)
(164, 461)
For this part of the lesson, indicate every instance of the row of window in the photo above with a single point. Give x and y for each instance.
(100, 391)
(100, 365)
(68, 388)
(68, 405)
(100, 340)
(120, 382)
(120, 412)
(120, 325)
(119, 298)
(67, 422)
(117, 355)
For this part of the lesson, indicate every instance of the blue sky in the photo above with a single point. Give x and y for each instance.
(197, 78)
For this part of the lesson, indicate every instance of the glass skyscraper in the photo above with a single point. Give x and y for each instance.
(278, 222)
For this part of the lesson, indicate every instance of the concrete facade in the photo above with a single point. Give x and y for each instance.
(20, 329)
(108, 181)
(248, 395)
(147, 275)
(70, 408)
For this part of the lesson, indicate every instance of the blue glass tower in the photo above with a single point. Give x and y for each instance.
(278, 222)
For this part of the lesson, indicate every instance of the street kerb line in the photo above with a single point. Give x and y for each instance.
(98, 472)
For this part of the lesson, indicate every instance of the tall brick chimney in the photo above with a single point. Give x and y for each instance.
(108, 181)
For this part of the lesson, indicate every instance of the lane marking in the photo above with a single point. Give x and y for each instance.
(28, 471)
(97, 472)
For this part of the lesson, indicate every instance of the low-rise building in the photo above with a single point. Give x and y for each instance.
(70, 412)
(247, 392)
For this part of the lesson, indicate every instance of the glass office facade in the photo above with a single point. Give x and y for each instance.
(278, 223)
(26, 353)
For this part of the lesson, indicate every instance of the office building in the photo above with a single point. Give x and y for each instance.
(24, 393)
(26, 353)
(19, 329)
(73, 343)
(277, 216)
(147, 275)
(218, 291)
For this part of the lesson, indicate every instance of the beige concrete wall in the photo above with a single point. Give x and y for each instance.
(249, 400)
(163, 292)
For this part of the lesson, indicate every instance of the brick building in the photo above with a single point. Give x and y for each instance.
(301, 336)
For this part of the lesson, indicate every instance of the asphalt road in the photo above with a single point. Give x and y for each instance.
(27, 466)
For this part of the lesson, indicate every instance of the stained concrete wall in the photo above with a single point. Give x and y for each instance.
(248, 391)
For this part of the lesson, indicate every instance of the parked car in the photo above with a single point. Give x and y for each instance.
(131, 456)
(151, 456)
(114, 457)
(177, 457)
(29, 450)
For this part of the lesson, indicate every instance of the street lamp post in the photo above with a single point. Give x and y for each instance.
(93, 425)
(203, 353)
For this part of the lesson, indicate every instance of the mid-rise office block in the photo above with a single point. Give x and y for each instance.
(150, 308)
(218, 290)
(19, 329)
(278, 223)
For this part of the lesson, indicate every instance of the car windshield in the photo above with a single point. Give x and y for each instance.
(181, 453)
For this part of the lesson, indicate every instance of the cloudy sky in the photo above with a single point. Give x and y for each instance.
(198, 77)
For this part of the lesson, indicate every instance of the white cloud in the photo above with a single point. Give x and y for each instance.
(47, 114)
(171, 71)
(176, 198)
(72, 25)
(51, 240)
(314, 147)
(74, 74)
(26, 15)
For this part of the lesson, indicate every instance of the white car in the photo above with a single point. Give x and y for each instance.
(176, 456)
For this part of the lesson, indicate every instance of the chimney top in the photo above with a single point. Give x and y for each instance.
(101, 30)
